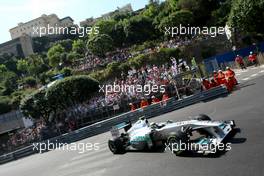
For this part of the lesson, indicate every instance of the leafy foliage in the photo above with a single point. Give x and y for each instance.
(139, 29)
(78, 46)
(64, 93)
(56, 55)
(22, 65)
(36, 105)
(247, 15)
(30, 81)
(100, 44)
(182, 17)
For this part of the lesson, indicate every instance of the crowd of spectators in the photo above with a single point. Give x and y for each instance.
(149, 75)
(23, 137)
(90, 61)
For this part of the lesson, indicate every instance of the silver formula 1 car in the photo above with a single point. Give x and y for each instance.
(198, 135)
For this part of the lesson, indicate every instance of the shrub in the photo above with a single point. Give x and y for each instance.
(71, 90)
(63, 94)
(30, 81)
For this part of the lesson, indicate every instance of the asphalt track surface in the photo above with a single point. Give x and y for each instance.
(246, 158)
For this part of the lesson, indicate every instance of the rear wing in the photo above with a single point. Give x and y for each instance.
(115, 130)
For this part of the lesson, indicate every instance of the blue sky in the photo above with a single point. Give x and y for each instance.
(14, 11)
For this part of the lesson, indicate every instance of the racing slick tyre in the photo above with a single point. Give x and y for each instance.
(116, 146)
(203, 117)
(177, 140)
(174, 145)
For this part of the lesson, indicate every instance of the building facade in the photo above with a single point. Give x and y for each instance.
(91, 21)
(20, 47)
(44, 21)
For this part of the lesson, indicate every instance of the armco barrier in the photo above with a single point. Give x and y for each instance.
(105, 125)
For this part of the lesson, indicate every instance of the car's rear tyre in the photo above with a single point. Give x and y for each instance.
(203, 117)
(116, 146)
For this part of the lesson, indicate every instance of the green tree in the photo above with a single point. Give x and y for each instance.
(56, 55)
(10, 83)
(36, 65)
(70, 91)
(22, 65)
(100, 44)
(247, 15)
(73, 56)
(113, 69)
(118, 34)
(112, 28)
(66, 44)
(138, 29)
(105, 26)
(36, 106)
(182, 17)
(63, 94)
(9, 60)
(201, 9)
(152, 9)
(221, 14)
(66, 71)
(3, 68)
(30, 81)
(79, 47)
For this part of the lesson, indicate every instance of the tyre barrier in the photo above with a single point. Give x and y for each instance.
(105, 125)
